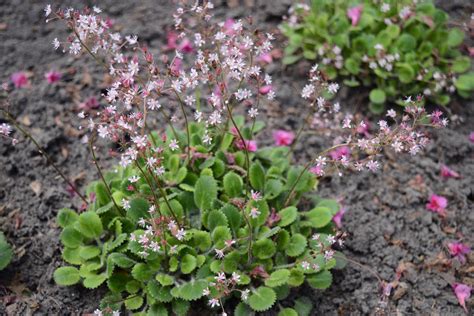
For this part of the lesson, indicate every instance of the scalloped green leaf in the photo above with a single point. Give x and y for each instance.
(233, 184)
(303, 306)
(180, 307)
(257, 176)
(190, 291)
(89, 252)
(70, 237)
(319, 216)
(133, 302)
(287, 312)
(66, 276)
(296, 246)
(94, 281)
(264, 249)
(321, 280)
(220, 235)
(262, 299)
(122, 260)
(165, 279)
(216, 218)
(287, 216)
(89, 225)
(188, 263)
(142, 272)
(66, 217)
(158, 292)
(278, 277)
(205, 192)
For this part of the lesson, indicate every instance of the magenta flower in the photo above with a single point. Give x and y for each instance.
(251, 145)
(171, 39)
(447, 172)
(459, 250)
(176, 65)
(354, 14)
(19, 79)
(471, 137)
(317, 170)
(283, 138)
(463, 292)
(185, 46)
(229, 26)
(52, 76)
(337, 219)
(437, 204)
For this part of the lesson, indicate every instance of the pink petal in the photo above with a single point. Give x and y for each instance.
(463, 292)
(265, 89)
(354, 14)
(265, 58)
(171, 39)
(437, 204)
(228, 26)
(447, 172)
(471, 137)
(52, 76)
(337, 219)
(186, 46)
(283, 138)
(19, 79)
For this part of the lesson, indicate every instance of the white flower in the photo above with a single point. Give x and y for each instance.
(254, 212)
(98, 312)
(391, 113)
(253, 112)
(173, 145)
(153, 104)
(75, 47)
(180, 234)
(305, 265)
(103, 131)
(385, 7)
(378, 46)
(56, 43)
(198, 116)
(220, 277)
(219, 253)
(132, 39)
(331, 239)
(190, 100)
(47, 10)
(245, 294)
(126, 204)
(328, 254)
(307, 91)
(206, 292)
(333, 87)
(97, 10)
(235, 277)
(150, 162)
(214, 302)
(243, 94)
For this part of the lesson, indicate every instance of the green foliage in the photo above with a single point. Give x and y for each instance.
(161, 248)
(6, 252)
(394, 56)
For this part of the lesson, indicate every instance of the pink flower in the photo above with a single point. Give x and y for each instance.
(185, 46)
(437, 204)
(265, 89)
(447, 172)
(340, 152)
(317, 170)
(459, 250)
(265, 58)
(176, 65)
(471, 137)
(337, 219)
(463, 292)
(171, 39)
(89, 104)
(52, 76)
(283, 138)
(229, 26)
(251, 145)
(19, 79)
(354, 14)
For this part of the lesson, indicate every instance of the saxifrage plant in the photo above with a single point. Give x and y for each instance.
(200, 212)
(197, 229)
(397, 48)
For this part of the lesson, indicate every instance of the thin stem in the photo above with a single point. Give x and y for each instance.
(101, 175)
(244, 143)
(306, 167)
(372, 271)
(298, 134)
(188, 136)
(43, 152)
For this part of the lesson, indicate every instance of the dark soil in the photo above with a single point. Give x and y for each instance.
(386, 220)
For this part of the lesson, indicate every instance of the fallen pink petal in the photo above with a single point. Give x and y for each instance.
(463, 292)
(53, 76)
(19, 79)
(447, 172)
(459, 250)
(337, 219)
(437, 204)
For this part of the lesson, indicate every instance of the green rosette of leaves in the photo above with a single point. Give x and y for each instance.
(159, 241)
(394, 48)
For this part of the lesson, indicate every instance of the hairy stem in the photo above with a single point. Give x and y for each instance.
(44, 154)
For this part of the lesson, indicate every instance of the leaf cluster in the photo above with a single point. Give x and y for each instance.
(425, 47)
